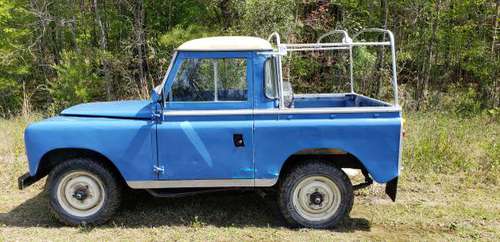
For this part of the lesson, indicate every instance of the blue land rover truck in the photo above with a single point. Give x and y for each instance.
(222, 118)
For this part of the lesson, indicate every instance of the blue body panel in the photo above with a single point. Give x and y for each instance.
(199, 147)
(204, 144)
(117, 109)
(204, 148)
(374, 141)
(127, 143)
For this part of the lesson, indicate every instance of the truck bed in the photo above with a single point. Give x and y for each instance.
(335, 100)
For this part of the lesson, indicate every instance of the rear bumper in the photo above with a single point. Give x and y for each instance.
(391, 188)
(26, 180)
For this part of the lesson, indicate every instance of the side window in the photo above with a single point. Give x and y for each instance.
(194, 81)
(231, 79)
(270, 81)
(210, 80)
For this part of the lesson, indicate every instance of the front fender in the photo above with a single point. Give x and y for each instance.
(127, 143)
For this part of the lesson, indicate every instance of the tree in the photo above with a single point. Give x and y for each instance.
(121, 48)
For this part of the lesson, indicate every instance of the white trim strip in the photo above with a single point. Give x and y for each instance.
(218, 112)
(223, 112)
(265, 182)
(158, 184)
(328, 110)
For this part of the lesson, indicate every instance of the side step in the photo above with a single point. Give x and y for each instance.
(184, 192)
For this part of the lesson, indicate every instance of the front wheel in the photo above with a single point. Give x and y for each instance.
(82, 191)
(315, 194)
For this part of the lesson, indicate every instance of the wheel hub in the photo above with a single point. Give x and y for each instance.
(316, 198)
(81, 194)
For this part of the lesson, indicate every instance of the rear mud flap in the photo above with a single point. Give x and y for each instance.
(391, 188)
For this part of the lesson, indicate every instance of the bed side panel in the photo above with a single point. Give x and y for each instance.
(372, 137)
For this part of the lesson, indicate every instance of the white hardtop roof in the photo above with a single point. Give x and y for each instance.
(226, 43)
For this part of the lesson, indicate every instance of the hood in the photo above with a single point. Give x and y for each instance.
(138, 109)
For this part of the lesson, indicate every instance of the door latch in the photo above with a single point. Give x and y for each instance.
(238, 140)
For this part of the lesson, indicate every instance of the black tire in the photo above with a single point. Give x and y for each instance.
(309, 169)
(112, 190)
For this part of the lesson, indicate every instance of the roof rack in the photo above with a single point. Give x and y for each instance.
(347, 43)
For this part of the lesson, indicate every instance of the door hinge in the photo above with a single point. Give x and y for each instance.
(159, 169)
(156, 117)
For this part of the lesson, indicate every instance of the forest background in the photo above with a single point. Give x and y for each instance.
(57, 53)
(54, 54)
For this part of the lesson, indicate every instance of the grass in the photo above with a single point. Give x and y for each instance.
(449, 190)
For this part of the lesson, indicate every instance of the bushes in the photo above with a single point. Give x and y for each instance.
(439, 142)
(77, 82)
(261, 18)
(440, 44)
(10, 96)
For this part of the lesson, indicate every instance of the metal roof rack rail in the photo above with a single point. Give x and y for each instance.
(347, 43)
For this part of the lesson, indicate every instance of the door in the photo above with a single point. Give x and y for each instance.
(206, 131)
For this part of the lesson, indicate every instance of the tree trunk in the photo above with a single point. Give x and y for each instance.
(103, 45)
(381, 50)
(430, 50)
(42, 42)
(494, 87)
(73, 33)
(495, 26)
(141, 47)
(225, 13)
(72, 26)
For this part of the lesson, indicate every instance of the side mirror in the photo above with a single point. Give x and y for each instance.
(156, 100)
(156, 94)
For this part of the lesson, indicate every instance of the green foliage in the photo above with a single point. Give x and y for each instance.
(363, 66)
(261, 18)
(14, 66)
(178, 35)
(10, 95)
(466, 105)
(443, 143)
(77, 81)
(301, 72)
(122, 48)
(459, 101)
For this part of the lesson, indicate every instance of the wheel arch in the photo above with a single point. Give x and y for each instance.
(56, 156)
(338, 157)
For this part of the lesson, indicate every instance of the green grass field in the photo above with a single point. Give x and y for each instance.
(449, 190)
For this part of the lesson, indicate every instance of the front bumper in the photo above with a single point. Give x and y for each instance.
(26, 180)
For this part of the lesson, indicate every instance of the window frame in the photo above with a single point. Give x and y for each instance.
(210, 105)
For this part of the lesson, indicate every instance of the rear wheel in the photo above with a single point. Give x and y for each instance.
(315, 194)
(82, 191)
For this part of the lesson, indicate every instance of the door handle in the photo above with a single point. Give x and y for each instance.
(238, 140)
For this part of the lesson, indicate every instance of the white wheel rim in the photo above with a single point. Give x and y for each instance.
(316, 198)
(80, 193)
